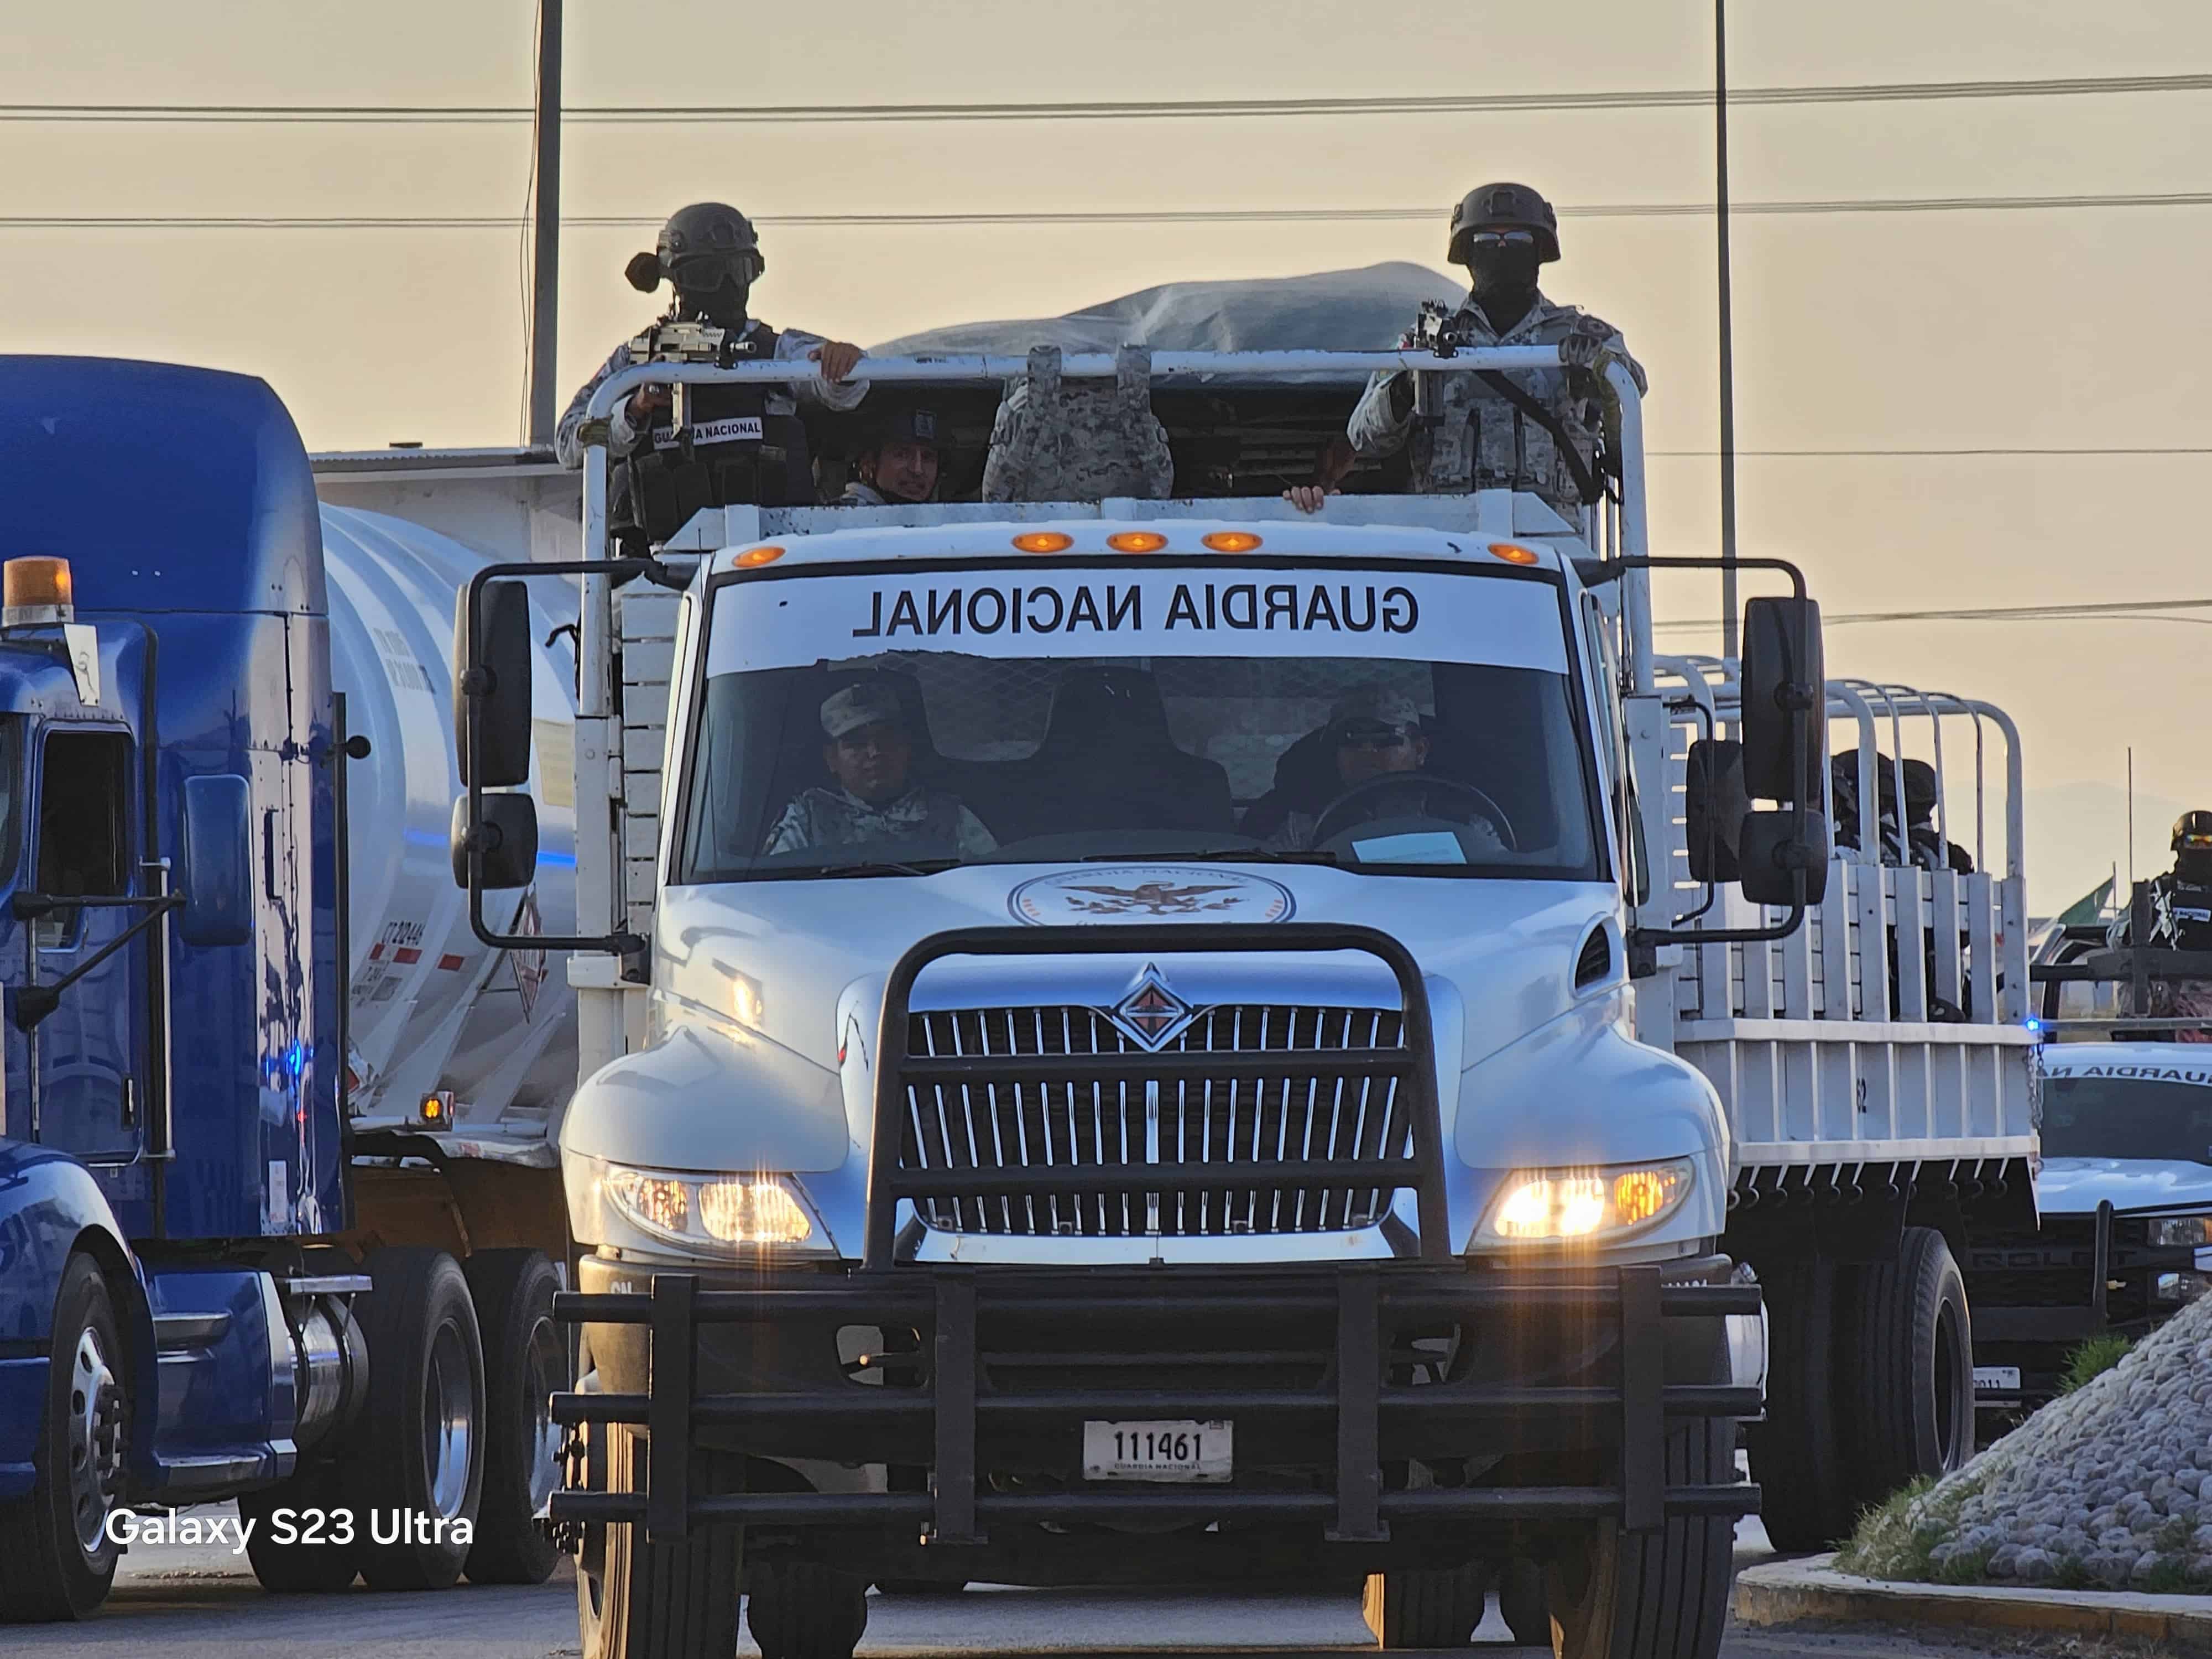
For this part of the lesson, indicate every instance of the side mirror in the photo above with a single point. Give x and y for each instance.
(507, 836)
(1784, 701)
(216, 867)
(1714, 804)
(495, 678)
(1773, 855)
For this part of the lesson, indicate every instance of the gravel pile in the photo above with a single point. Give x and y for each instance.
(2108, 1487)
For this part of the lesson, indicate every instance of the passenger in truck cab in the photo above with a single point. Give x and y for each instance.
(1372, 732)
(1530, 429)
(869, 754)
(899, 462)
(739, 443)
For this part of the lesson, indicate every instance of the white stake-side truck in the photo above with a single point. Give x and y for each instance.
(1133, 1041)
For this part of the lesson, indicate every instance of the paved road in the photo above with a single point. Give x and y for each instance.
(183, 1603)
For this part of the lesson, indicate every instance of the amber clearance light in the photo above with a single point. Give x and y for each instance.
(1513, 553)
(35, 590)
(1137, 541)
(753, 557)
(1232, 541)
(1042, 541)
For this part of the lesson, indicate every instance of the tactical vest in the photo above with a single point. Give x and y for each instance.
(745, 446)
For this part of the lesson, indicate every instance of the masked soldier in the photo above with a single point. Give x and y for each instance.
(900, 463)
(2181, 920)
(870, 754)
(738, 443)
(1533, 429)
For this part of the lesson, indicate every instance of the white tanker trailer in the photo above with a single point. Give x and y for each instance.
(447, 1037)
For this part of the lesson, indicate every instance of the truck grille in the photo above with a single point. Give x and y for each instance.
(1310, 1113)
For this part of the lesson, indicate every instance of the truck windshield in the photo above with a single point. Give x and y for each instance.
(1423, 721)
(2147, 1111)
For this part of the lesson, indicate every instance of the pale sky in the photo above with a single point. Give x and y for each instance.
(1964, 330)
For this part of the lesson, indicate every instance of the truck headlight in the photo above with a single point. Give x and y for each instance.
(1561, 1206)
(2188, 1230)
(710, 1211)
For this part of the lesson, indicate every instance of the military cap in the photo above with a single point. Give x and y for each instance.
(857, 705)
(1373, 710)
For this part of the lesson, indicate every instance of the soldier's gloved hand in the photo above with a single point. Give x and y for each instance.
(1583, 346)
(647, 402)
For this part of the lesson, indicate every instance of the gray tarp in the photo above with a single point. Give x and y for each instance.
(1363, 310)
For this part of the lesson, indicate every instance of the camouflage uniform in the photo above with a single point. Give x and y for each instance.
(1085, 441)
(624, 439)
(1479, 440)
(860, 494)
(926, 823)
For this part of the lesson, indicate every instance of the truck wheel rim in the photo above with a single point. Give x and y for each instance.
(1952, 1442)
(96, 1441)
(543, 1368)
(448, 1421)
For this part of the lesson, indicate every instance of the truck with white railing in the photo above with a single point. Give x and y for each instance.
(1138, 1041)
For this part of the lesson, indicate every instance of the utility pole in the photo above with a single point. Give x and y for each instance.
(545, 229)
(1729, 644)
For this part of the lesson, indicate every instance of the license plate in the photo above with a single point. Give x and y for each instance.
(1172, 1450)
(1996, 1379)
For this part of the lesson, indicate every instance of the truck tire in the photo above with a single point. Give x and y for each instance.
(525, 1363)
(310, 1562)
(1652, 1595)
(803, 1610)
(1424, 1606)
(56, 1560)
(1908, 1379)
(1804, 1502)
(637, 1600)
(417, 1458)
(1523, 1604)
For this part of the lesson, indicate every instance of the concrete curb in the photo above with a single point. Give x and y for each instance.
(1789, 1592)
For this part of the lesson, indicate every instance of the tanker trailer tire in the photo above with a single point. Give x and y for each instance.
(1804, 1503)
(525, 1363)
(1424, 1606)
(636, 1600)
(417, 1458)
(804, 1610)
(1617, 1595)
(55, 1559)
(1908, 1381)
(1523, 1603)
(289, 1560)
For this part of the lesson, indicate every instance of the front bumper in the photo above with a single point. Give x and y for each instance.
(1518, 1399)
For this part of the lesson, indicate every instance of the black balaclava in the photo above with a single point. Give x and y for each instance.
(1504, 283)
(723, 306)
(2194, 867)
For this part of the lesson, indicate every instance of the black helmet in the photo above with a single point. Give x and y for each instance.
(2192, 832)
(1503, 207)
(899, 423)
(699, 246)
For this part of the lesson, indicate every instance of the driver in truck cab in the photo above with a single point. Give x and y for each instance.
(1372, 732)
(1533, 429)
(869, 753)
(738, 444)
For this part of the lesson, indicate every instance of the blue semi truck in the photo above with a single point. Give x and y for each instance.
(229, 1267)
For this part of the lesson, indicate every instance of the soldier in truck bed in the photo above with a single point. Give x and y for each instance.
(748, 444)
(1483, 436)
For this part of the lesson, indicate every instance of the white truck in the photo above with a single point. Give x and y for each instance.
(1061, 1179)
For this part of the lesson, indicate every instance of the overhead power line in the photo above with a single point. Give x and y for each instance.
(1180, 109)
(2085, 611)
(1130, 216)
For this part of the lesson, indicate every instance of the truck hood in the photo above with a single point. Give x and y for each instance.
(787, 977)
(2075, 1186)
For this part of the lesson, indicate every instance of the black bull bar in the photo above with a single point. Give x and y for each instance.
(1355, 1417)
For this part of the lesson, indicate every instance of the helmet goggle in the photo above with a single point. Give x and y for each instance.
(2195, 843)
(703, 273)
(1487, 238)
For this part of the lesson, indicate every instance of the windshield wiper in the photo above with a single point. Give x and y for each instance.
(1261, 855)
(870, 867)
